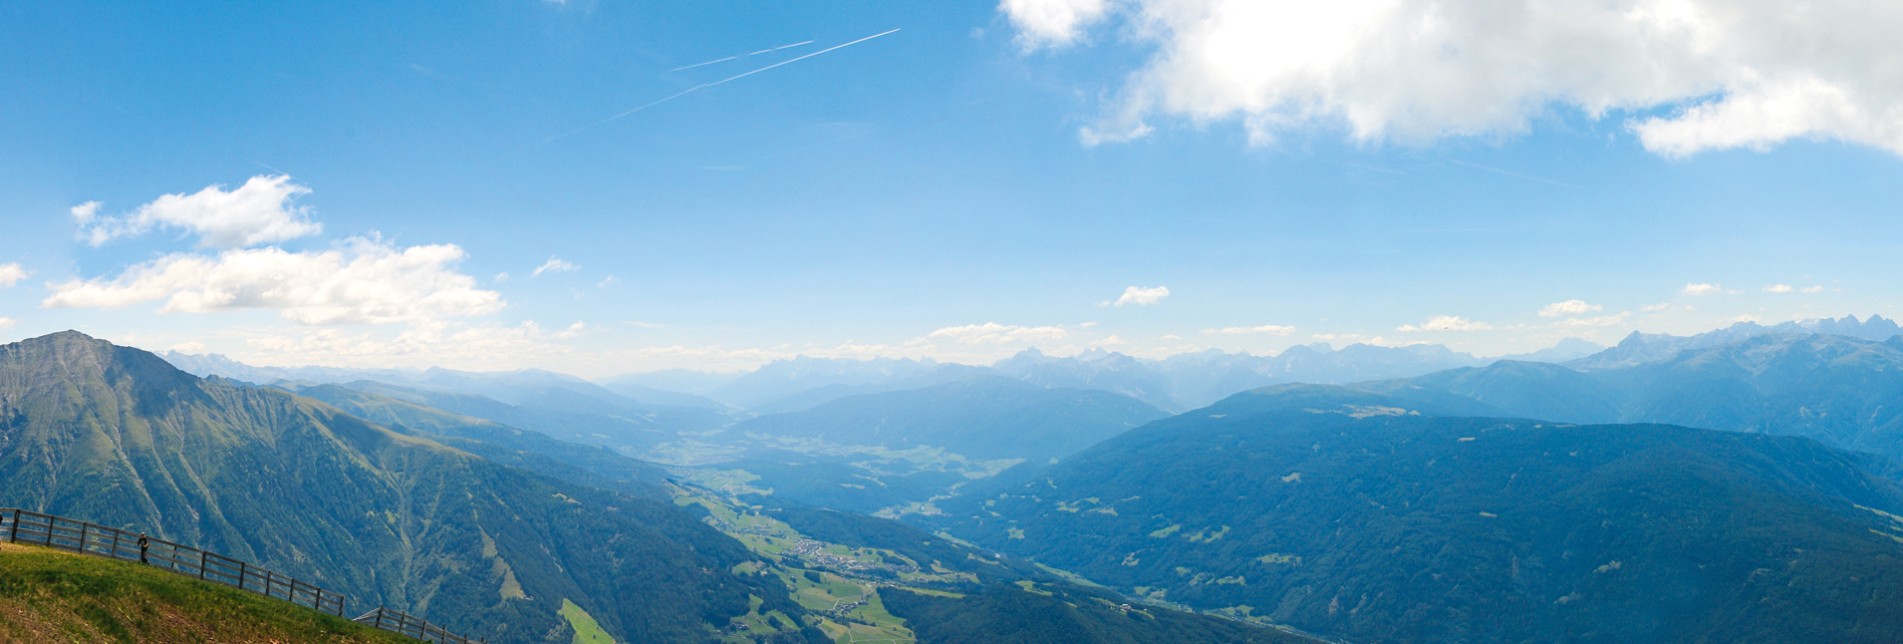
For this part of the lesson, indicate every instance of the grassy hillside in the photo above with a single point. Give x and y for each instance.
(52, 596)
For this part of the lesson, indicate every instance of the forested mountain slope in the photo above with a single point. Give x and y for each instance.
(1367, 520)
(120, 437)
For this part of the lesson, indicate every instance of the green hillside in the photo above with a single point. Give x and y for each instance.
(121, 438)
(52, 596)
(1364, 521)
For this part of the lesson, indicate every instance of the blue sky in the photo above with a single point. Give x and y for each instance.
(987, 178)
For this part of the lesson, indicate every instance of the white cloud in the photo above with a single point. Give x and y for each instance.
(1604, 320)
(259, 212)
(6, 323)
(606, 282)
(1052, 23)
(1568, 307)
(1655, 308)
(364, 280)
(1778, 288)
(1685, 76)
(84, 213)
(1266, 329)
(1445, 323)
(573, 331)
(1140, 296)
(1813, 289)
(1699, 289)
(554, 265)
(994, 333)
(11, 274)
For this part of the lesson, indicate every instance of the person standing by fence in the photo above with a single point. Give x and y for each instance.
(143, 545)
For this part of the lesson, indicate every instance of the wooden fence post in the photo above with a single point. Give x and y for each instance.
(203, 557)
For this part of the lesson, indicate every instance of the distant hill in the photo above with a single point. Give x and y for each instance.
(1640, 348)
(991, 418)
(52, 596)
(783, 379)
(532, 399)
(1366, 518)
(1840, 390)
(1095, 369)
(593, 422)
(119, 436)
(582, 464)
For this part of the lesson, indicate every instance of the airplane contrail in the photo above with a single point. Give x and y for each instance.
(717, 83)
(716, 60)
(768, 50)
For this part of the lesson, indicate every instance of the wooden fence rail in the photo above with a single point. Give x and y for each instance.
(52, 531)
(416, 627)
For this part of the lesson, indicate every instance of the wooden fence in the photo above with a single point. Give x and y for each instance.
(416, 627)
(52, 531)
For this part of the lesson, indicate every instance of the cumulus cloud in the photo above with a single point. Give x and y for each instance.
(6, 323)
(554, 265)
(259, 212)
(1052, 23)
(363, 280)
(994, 333)
(84, 213)
(1604, 320)
(1813, 289)
(1685, 76)
(1445, 323)
(1266, 329)
(1778, 288)
(1701, 289)
(11, 274)
(1140, 296)
(1568, 307)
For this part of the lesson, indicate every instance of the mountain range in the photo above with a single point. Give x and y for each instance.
(121, 437)
(1732, 485)
(1840, 390)
(1356, 515)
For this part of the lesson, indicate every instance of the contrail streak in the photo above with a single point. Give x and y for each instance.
(768, 50)
(1510, 173)
(717, 83)
(716, 60)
